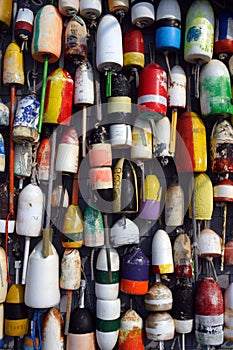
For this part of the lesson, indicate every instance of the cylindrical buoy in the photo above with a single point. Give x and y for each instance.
(135, 273)
(68, 7)
(70, 269)
(149, 208)
(90, 9)
(93, 235)
(141, 148)
(203, 190)
(142, 13)
(228, 253)
(158, 298)
(24, 24)
(76, 39)
(107, 323)
(3, 266)
(43, 159)
(104, 289)
(58, 98)
(174, 205)
(162, 133)
(42, 280)
(133, 49)
(13, 57)
(22, 161)
(100, 152)
(223, 41)
(182, 253)
(162, 259)
(215, 90)
(209, 313)
(72, 229)
(118, 7)
(124, 231)
(209, 244)
(130, 332)
(160, 326)
(83, 84)
(221, 145)
(68, 152)
(52, 336)
(176, 93)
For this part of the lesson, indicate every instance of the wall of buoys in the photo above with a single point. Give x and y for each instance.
(116, 185)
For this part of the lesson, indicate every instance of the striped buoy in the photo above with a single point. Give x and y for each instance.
(183, 308)
(72, 229)
(133, 48)
(160, 326)
(58, 98)
(107, 323)
(135, 273)
(223, 41)
(24, 24)
(93, 235)
(105, 289)
(221, 147)
(158, 298)
(68, 152)
(174, 205)
(150, 205)
(209, 313)
(130, 332)
(162, 259)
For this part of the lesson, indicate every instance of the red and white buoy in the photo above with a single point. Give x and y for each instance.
(228, 319)
(68, 152)
(24, 24)
(131, 331)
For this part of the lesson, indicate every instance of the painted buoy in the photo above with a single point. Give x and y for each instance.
(3, 267)
(101, 178)
(182, 253)
(168, 26)
(162, 259)
(209, 313)
(72, 230)
(93, 235)
(203, 190)
(52, 337)
(142, 13)
(13, 57)
(84, 84)
(228, 253)
(130, 332)
(70, 269)
(5, 15)
(125, 190)
(223, 191)
(118, 7)
(68, 152)
(223, 41)
(4, 196)
(183, 311)
(191, 146)
(150, 207)
(158, 298)
(58, 97)
(121, 136)
(141, 148)
(42, 280)
(100, 151)
(174, 205)
(4, 114)
(24, 24)
(135, 273)
(105, 289)
(209, 244)
(68, 7)
(22, 161)
(76, 39)
(176, 93)
(215, 90)
(25, 125)
(107, 323)
(160, 326)
(221, 146)
(228, 304)
(90, 9)
(124, 231)
(133, 48)
(43, 160)
(162, 130)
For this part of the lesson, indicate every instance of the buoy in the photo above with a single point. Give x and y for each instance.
(183, 308)
(43, 159)
(221, 145)
(133, 49)
(162, 137)
(25, 126)
(107, 323)
(24, 24)
(2, 154)
(149, 208)
(182, 253)
(191, 146)
(141, 148)
(125, 191)
(4, 195)
(223, 41)
(209, 243)
(215, 90)
(142, 13)
(109, 50)
(227, 312)
(76, 39)
(13, 57)
(4, 114)
(90, 9)
(199, 36)
(82, 325)
(159, 298)
(203, 189)
(3, 266)
(70, 277)
(228, 253)
(58, 98)
(5, 15)
(22, 161)
(174, 205)
(121, 136)
(2, 338)
(105, 289)
(159, 326)
(209, 313)
(135, 273)
(93, 235)
(152, 91)
(177, 88)
(68, 152)
(29, 219)
(15, 313)
(162, 259)
(72, 229)
(68, 8)
(124, 231)
(52, 336)
(118, 7)
(130, 332)
(42, 280)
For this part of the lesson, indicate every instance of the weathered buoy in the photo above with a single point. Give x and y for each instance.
(5, 16)
(2, 154)
(141, 148)
(160, 326)
(162, 259)
(130, 332)
(223, 41)
(4, 114)
(158, 298)
(150, 206)
(174, 205)
(3, 269)
(13, 57)
(43, 159)
(24, 24)
(70, 277)
(22, 161)
(124, 231)
(142, 13)
(68, 152)
(93, 235)
(228, 304)
(52, 335)
(209, 244)
(182, 253)
(162, 136)
(76, 39)
(90, 9)
(68, 7)
(72, 229)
